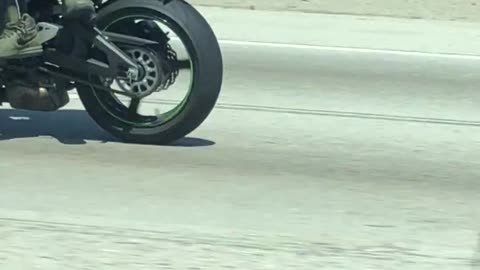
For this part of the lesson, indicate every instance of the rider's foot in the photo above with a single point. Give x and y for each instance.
(19, 36)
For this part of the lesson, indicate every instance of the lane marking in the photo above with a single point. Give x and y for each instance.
(345, 49)
(349, 49)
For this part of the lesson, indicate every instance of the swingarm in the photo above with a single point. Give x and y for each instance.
(76, 65)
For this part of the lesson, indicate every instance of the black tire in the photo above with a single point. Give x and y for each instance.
(205, 54)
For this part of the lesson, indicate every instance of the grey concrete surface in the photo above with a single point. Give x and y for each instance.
(345, 31)
(313, 159)
(450, 10)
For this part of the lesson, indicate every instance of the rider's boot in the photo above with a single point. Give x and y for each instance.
(19, 38)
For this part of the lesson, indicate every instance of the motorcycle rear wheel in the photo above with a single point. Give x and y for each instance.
(206, 68)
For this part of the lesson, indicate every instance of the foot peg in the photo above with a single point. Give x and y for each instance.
(47, 31)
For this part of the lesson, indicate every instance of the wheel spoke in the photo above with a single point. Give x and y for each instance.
(122, 93)
(133, 107)
(183, 64)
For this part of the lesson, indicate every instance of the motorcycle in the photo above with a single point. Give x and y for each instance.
(126, 47)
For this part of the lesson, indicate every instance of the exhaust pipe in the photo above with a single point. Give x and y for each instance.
(25, 97)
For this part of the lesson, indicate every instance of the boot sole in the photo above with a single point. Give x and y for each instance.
(25, 53)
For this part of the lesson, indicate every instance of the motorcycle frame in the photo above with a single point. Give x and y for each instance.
(120, 64)
(77, 67)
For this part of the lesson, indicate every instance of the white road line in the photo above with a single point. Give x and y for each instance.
(349, 49)
(344, 49)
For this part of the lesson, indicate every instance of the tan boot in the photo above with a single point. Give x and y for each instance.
(19, 36)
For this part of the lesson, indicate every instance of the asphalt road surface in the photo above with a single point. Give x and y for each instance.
(314, 159)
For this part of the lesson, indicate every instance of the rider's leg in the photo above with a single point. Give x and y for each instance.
(19, 35)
